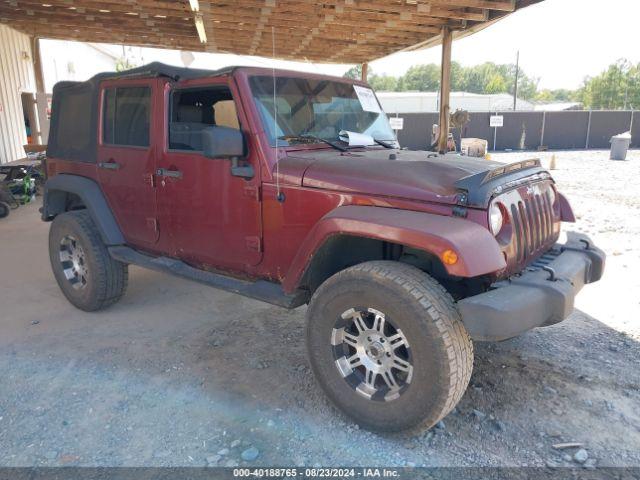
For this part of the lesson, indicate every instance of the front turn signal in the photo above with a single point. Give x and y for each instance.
(449, 257)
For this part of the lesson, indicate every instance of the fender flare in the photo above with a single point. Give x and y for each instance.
(478, 251)
(54, 203)
(566, 212)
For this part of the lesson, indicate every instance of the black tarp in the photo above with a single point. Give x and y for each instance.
(74, 108)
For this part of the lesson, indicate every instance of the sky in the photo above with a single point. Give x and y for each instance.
(560, 41)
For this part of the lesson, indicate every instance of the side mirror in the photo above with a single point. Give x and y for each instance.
(222, 142)
(225, 142)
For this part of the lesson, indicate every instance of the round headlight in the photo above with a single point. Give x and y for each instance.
(496, 218)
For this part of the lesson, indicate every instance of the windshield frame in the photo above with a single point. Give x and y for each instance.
(266, 127)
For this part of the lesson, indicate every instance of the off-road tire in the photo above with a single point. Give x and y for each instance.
(106, 278)
(5, 209)
(441, 348)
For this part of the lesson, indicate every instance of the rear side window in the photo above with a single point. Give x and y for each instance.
(73, 124)
(126, 119)
(73, 132)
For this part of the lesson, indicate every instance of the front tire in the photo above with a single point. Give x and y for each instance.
(87, 275)
(388, 347)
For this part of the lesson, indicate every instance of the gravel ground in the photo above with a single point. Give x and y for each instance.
(180, 374)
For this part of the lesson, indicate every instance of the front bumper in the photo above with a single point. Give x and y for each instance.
(543, 294)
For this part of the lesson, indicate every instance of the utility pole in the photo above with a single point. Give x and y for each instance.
(515, 87)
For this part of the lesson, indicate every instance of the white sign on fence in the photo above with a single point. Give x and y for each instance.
(397, 123)
(496, 121)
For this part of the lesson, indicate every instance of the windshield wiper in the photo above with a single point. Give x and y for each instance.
(313, 138)
(383, 143)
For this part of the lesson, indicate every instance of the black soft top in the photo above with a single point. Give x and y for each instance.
(158, 69)
(74, 108)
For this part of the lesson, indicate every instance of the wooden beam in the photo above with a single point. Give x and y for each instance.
(445, 89)
(339, 31)
(502, 5)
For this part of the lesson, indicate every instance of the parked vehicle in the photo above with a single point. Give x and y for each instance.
(290, 188)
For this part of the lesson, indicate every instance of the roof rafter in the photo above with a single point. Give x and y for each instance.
(345, 31)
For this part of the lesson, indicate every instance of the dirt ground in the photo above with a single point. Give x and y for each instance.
(180, 374)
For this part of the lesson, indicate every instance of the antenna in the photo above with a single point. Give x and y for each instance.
(279, 194)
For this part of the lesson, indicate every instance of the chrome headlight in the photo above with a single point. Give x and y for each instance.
(496, 218)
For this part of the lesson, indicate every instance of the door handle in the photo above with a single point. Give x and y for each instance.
(110, 165)
(164, 172)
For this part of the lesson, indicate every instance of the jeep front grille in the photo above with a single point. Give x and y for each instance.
(533, 221)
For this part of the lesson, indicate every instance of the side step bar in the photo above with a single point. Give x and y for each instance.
(260, 290)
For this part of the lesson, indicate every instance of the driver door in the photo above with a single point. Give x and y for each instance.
(207, 217)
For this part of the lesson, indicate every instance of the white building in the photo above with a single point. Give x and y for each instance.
(20, 121)
(423, 102)
(64, 60)
(17, 93)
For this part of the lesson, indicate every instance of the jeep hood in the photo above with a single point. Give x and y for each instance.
(415, 175)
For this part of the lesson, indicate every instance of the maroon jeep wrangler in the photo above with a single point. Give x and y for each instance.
(291, 188)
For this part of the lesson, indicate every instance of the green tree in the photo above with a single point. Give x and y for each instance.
(633, 88)
(616, 88)
(124, 63)
(383, 83)
(558, 95)
(496, 84)
(458, 78)
(355, 72)
(527, 87)
(423, 78)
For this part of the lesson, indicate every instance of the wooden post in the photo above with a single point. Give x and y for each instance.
(41, 94)
(365, 71)
(37, 64)
(445, 89)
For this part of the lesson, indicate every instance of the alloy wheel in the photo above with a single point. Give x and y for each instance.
(372, 354)
(73, 261)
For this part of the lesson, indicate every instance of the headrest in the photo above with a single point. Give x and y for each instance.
(189, 113)
(226, 115)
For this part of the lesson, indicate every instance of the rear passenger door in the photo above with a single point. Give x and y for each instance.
(126, 160)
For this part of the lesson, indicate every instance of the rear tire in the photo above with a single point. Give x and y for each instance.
(411, 335)
(87, 275)
(5, 210)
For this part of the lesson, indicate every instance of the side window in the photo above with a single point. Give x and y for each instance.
(127, 112)
(193, 110)
(73, 132)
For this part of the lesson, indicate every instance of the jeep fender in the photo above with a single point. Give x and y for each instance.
(54, 203)
(478, 251)
(566, 212)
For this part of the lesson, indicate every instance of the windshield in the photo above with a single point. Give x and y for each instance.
(308, 108)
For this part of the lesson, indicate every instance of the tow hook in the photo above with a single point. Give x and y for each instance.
(587, 246)
(552, 273)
